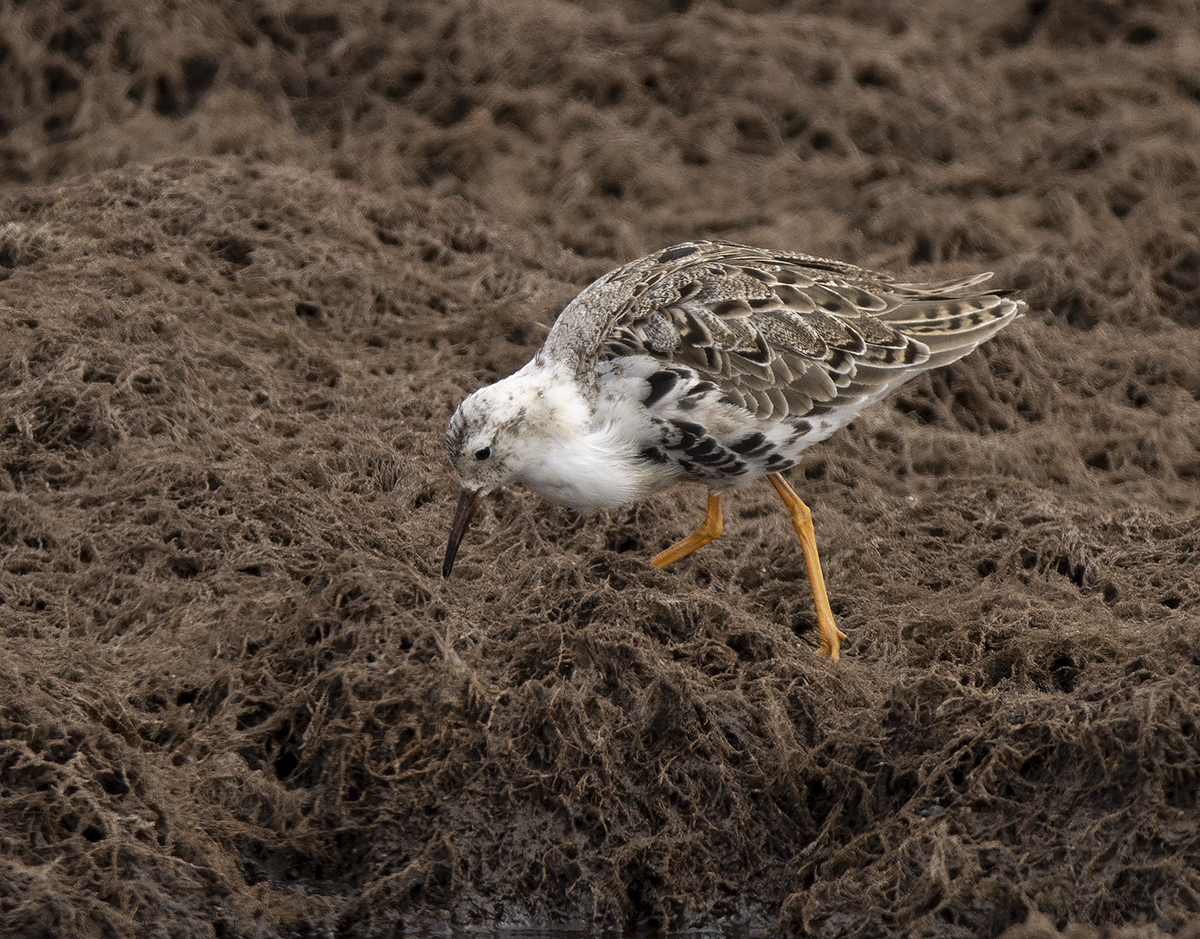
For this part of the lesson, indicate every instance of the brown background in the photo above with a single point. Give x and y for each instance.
(253, 253)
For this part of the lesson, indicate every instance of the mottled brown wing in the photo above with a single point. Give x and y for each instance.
(781, 334)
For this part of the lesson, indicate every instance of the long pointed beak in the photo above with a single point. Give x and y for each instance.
(467, 502)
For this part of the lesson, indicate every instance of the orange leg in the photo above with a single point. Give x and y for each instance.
(831, 636)
(708, 531)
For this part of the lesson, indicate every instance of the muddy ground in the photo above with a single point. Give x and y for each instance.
(253, 253)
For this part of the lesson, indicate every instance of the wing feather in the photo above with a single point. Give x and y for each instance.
(782, 335)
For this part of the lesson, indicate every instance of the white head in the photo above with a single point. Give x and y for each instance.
(500, 435)
(479, 438)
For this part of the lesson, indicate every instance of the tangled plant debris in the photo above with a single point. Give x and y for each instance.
(252, 255)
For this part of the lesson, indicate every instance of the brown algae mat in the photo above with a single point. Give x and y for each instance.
(253, 254)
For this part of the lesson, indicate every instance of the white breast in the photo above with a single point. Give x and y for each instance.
(592, 471)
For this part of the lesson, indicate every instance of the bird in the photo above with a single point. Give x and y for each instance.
(708, 362)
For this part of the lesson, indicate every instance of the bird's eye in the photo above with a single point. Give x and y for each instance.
(483, 454)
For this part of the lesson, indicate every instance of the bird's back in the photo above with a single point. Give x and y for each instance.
(782, 335)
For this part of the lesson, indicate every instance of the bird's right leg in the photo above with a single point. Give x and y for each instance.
(831, 636)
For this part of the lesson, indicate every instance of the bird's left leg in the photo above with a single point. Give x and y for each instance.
(709, 530)
(831, 636)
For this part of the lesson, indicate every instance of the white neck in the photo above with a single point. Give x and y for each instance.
(572, 454)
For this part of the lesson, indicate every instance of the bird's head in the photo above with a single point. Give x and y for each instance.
(480, 439)
(496, 436)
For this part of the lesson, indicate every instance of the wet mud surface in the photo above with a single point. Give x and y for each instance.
(253, 254)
